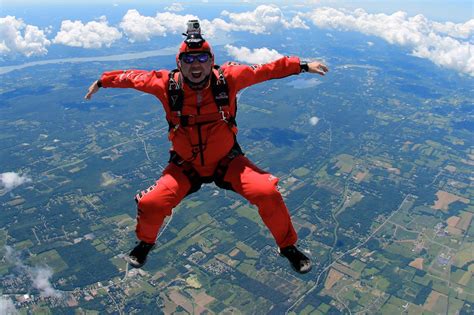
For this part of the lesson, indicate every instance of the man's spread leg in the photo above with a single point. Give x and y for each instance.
(153, 205)
(260, 189)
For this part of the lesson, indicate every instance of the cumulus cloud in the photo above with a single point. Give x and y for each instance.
(174, 23)
(11, 180)
(175, 7)
(255, 56)
(40, 276)
(297, 22)
(304, 83)
(142, 28)
(460, 30)
(446, 44)
(264, 19)
(215, 28)
(438, 42)
(18, 37)
(94, 34)
(7, 307)
(314, 121)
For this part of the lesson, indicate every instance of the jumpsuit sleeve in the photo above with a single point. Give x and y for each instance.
(243, 76)
(152, 82)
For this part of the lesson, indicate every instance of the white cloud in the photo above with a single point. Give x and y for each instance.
(94, 34)
(461, 30)
(369, 43)
(175, 7)
(304, 83)
(264, 19)
(446, 44)
(40, 276)
(11, 180)
(142, 28)
(425, 38)
(255, 56)
(215, 28)
(314, 121)
(18, 37)
(7, 307)
(138, 27)
(174, 23)
(297, 22)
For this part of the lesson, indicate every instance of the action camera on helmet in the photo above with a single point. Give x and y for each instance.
(193, 35)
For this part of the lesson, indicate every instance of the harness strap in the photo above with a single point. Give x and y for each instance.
(197, 180)
(190, 120)
(175, 92)
(220, 91)
(188, 170)
(223, 166)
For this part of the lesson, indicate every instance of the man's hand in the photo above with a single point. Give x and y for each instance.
(92, 90)
(317, 67)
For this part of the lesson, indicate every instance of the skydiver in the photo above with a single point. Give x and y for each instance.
(199, 100)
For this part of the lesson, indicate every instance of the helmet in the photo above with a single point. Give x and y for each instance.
(187, 48)
(194, 43)
(190, 47)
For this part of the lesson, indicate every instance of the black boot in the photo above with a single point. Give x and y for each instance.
(137, 256)
(298, 260)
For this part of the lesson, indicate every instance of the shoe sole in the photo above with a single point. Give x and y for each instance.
(136, 264)
(132, 262)
(296, 270)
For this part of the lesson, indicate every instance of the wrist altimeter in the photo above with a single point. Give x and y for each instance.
(304, 66)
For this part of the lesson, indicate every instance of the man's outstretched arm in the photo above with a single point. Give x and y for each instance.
(151, 82)
(245, 75)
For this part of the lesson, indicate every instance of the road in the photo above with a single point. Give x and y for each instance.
(301, 298)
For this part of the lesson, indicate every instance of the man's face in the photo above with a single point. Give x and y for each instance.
(196, 66)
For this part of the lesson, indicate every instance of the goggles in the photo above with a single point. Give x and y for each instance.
(189, 59)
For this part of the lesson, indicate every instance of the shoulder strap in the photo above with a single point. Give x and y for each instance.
(220, 89)
(175, 91)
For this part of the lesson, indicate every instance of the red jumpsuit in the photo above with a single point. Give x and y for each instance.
(204, 146)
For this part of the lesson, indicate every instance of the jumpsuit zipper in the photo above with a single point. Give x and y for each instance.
(199, 103)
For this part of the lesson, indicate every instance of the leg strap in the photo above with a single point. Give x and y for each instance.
(188, 170)
(223, 166)
(197, 180)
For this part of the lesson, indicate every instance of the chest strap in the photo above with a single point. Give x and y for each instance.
(190, 120)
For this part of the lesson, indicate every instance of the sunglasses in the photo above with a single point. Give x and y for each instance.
(189, 59)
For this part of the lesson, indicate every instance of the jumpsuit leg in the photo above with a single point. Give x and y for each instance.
(157, 202)
(260, 189)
